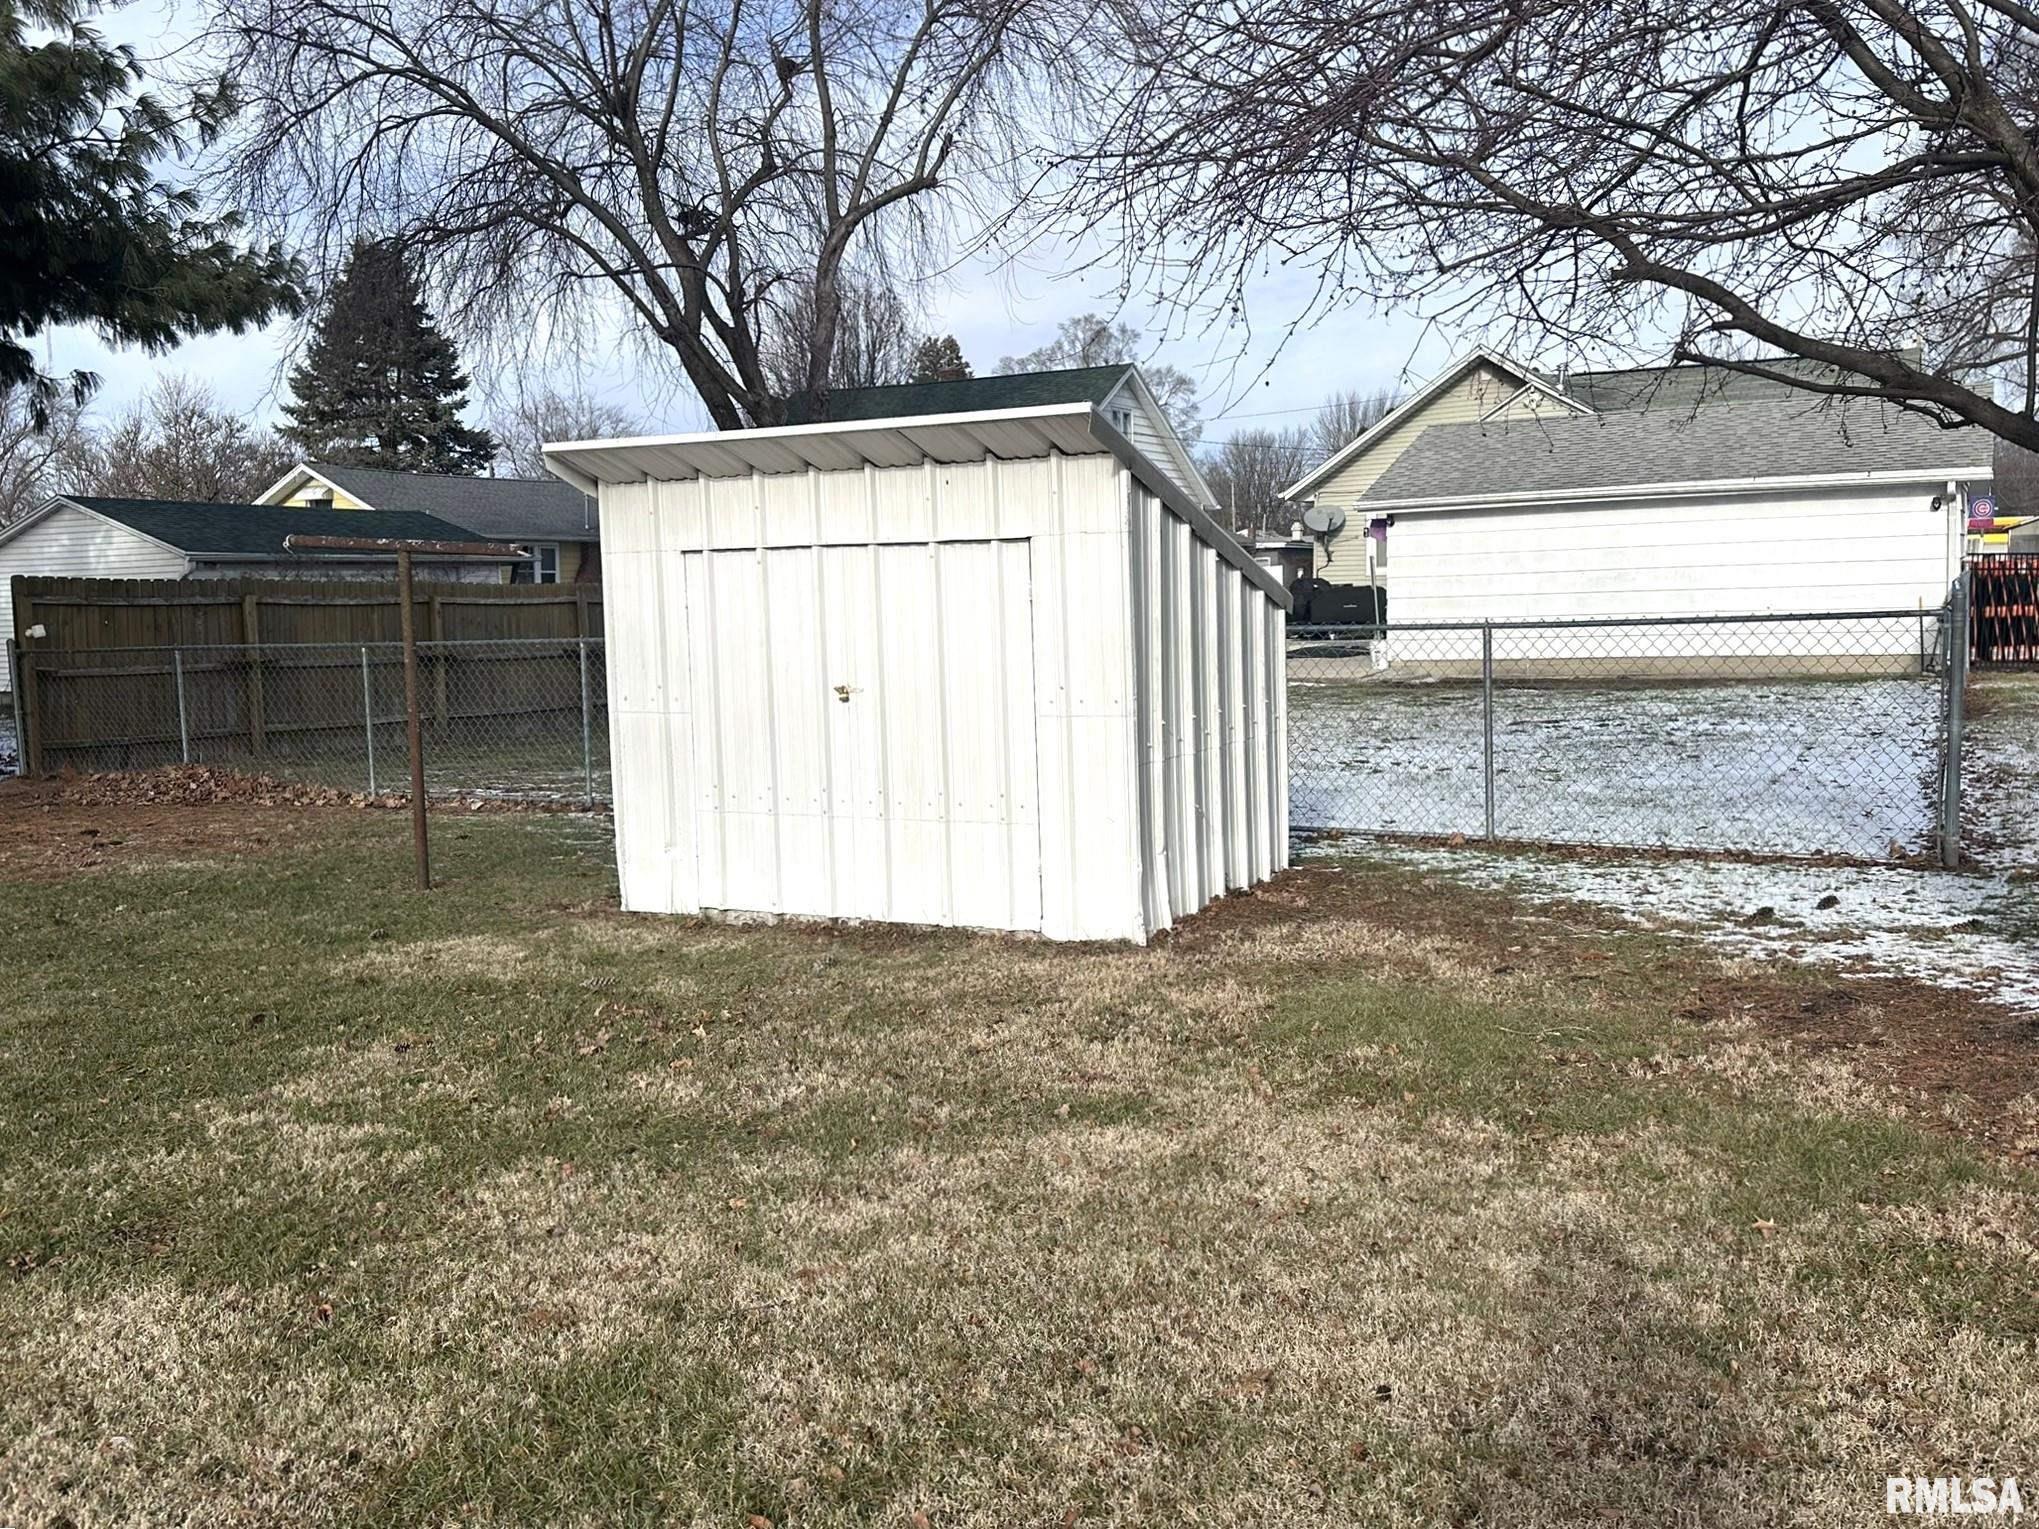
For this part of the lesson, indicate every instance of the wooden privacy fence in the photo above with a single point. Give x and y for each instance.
(512, 717)
(80, 614)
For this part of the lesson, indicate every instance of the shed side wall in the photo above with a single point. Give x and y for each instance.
(1210, 655)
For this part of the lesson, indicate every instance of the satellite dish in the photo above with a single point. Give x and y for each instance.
(1323, 520)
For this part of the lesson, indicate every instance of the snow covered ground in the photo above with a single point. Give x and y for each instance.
(1786, 767)
(1976, 930)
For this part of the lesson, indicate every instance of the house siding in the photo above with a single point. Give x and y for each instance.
(316, 490)
(1151, 437)
(1880, 548)
(72, 543)
(1483, 388)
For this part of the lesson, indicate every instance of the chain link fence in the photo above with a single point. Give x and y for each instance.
(522, 719)
(1809, 735)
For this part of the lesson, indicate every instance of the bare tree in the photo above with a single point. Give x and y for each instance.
(179, 443)
(548, 160)
(38, 458)
(1345, 416)
(875, 335)
(1248, 472)
(524, 426)
(1829, 179)
(1091, 339)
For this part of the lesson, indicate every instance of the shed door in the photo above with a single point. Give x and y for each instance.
(864, 732)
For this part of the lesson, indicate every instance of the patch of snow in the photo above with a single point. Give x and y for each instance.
(1968, 932)
(1787, 766)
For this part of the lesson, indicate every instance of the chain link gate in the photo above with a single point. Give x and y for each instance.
(1819, 734)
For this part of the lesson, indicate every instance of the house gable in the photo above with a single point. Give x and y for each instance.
(1461, 394)
(1147, 427)
(69, 541)
(304, 486)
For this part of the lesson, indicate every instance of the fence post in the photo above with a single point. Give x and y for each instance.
(183, 719)
(1487, 718)
(15, 681)
(251, 634)
(435, 623)
(1957, 685)
(587, 729)
(368, 718)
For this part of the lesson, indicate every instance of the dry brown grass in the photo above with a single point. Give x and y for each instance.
(509, 1217)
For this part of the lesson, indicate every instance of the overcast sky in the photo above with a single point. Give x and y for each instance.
(995, 305)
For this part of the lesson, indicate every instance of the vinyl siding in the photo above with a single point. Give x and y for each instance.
(71, 543)
(1478, 392)
(1829, 550)
(1150, 436)
(318, 491)
(1532, 403)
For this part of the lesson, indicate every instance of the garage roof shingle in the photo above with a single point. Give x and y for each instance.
(1783, 438)
(506, 509)
(258, 530)
(963, 395)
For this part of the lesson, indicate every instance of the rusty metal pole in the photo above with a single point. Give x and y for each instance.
(402, 548)
(414, 732)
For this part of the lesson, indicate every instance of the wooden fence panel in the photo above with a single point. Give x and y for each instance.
(80, 614)
(272, 666)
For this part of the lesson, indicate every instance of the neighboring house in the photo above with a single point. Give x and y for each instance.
(555, 523)
(1488, 387)
(81, 536)
(1775, 504)
(1471, 388)
(1118, 392)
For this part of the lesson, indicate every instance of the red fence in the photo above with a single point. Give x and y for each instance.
(2003, 626)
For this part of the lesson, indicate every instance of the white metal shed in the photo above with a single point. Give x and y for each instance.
(992, 669)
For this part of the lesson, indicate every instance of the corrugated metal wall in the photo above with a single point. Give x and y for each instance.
(1000, 694)
(1212, 721)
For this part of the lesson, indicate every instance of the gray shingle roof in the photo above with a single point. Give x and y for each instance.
(1021, 390)
(1684, 387)
(503, 509)
(1778, 438)
(258, 530)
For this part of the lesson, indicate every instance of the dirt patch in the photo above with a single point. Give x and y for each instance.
(1950, 1061)
(69, 824)
(52, 829)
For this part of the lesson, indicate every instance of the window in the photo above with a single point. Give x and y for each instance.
(319, 500)
(541, 567)
(1122, 420)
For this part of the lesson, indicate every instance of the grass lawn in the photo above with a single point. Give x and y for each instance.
(324, 1202)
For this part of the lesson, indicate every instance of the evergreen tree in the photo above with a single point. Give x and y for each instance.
(937, 358)
(381, 386)
(90, 233)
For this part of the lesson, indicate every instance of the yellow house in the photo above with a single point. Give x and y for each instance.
(551, 520)
(1483, 384)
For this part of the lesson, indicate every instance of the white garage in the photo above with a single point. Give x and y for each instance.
(994, 670)
(1782, 505)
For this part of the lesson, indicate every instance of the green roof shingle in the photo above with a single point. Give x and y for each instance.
(258, 530)
(965, 395)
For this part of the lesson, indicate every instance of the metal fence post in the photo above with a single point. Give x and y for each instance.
(368, 718)
(1957, 685)
(587, 730)
(16, 680)
(183, 720)
(1487, 717)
